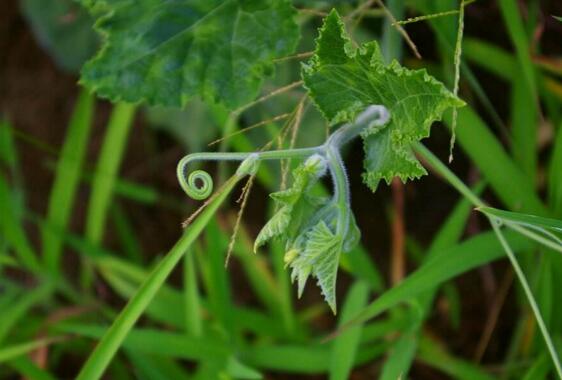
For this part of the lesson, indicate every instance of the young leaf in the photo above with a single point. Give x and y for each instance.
(294, 202)
(321, 256)
(343, 80)
(165, 52)
(309, 226)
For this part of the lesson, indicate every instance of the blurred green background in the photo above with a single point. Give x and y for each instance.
(90, 204)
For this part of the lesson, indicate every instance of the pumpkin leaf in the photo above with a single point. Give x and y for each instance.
(343, 80)
(165, 52)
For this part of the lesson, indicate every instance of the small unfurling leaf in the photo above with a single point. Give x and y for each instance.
(321, 256)
(294, 203)
(309, 227)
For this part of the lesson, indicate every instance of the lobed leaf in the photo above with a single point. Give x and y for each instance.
(165, 52)
(343, 80)
(321, 257)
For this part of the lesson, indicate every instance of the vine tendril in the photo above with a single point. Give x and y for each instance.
(199, 192)
(199, 185)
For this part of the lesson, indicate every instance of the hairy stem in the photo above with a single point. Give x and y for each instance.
(341, 188)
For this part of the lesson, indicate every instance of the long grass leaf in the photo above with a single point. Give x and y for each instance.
(518, 36)
(19, 349)
(524, 126)
(12, 229)
(401, 355)
(525, 219)
(67, 177)
(555, 175)
(435, 356)
(220, 298)
(505, 178)
(491, 57)
(192, 301)
(98, 361)
(125, 232)
(345, 346)
(18, 309)
(156, 342)
(445, 265)
(529, 294)
(28, 369)
(106, 170)
(156, 368)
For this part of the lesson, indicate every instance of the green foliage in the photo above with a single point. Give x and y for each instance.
(309, 227)
(167, 52)
(533, 221)
(64, 29)
(113, 338)
(295, 204)
(220, 326)
(343, 80)
(69, 168)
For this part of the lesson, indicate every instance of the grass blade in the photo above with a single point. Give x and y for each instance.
(12, 230)
(446, 264)
(519, 39)
(157, 342)
(401, 354)
(555, 175)
(490, 57)
(309, 359)
(98, 361)
(505, 178)
(7, 149)
(525, 219)
(192, 302)
(220, 298)
(529, 294)
(524, 124)
(17, 350)
(106, 170)
(17, 310)
(404, 350)
(126, 233)
(67, 178)
(527, 224)
(435, 356)
(29, 370)
(539, 370)
(345, 345)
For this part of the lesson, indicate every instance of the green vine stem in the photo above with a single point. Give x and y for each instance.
(199, 184)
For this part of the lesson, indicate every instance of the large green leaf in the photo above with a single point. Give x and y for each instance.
(343, 80)
(63, 29)
(165, 52)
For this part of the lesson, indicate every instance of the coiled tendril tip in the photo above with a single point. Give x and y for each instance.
(199, 185)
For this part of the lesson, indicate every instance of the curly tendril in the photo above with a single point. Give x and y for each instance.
(199, 185)
(201, 191)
